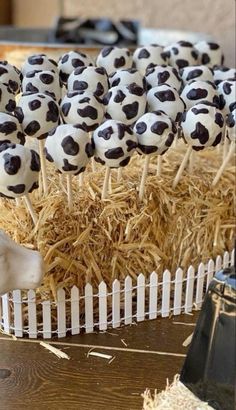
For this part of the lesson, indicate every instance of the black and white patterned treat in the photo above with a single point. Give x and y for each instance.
(10, 130)
(19, 170)
(163, 74)
(114, 144)
(82, 108)
(68, 62)
(91, 79)
(127, 77)
(39, 62)
(227, 95)
(210, 54)
(155, 132)
(203, 126)
(148, 56)
(7, 99)
(69, 148)
(38, 114)
(166, 98)
(114, 58)
(10, 76)
(197, 91)
(222, 73)
(181, 54)
(198, 72)
(231, 125)
(45, 82)
(125, 103)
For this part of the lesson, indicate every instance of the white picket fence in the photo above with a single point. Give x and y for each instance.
(124, 304)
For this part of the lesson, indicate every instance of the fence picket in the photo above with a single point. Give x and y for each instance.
(218, 265)
(210, 271)
(75, 318)
(153, 283)
(178, 291)
(102, 292)
(116, 303)
(165, 307)
(226, 260)
(128, 300)
(200, 283)
(61, 313)
(47, 325)
(189, 290)
(18, 321)
(232, 258)
(0, 312)
(32, 314)
(6, 312)
(88, 308)
(140, 298)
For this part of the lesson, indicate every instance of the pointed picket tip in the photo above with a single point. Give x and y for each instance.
(88, 288)
(141, 279)
(166, 275)
(128, 280)
(31, 295)
(102, 287)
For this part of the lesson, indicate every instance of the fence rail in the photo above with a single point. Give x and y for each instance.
(159, 295)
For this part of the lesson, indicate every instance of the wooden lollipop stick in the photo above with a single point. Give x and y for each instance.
(93, 165)
(191, 162)
(144, 177)
(159, 165)
(81, 179)
(31, 209)
(18, 202)
(225, 147)
(182, 167)
(224, 163)
(106, 183)
(119, 174)
(43, 166)
(69, 192)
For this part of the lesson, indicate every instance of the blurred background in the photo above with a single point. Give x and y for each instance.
(216, 18)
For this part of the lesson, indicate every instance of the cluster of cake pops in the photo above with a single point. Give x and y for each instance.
(81, 110)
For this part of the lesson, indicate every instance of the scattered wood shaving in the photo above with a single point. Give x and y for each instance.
(124, 343)
(183, 323)
(102, 355)
(54, 350)
(8, 334)
(187, 341)
(112, 360)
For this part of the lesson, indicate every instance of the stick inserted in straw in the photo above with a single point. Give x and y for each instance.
(106, 183)
(159, 165)
(182, 167)
(144, 177)
(119, 174)
(69, 192)
(43, 166)
(224, 163)
(30, 209)
(225, 147)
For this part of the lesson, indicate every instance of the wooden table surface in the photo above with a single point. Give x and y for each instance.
(33, 378)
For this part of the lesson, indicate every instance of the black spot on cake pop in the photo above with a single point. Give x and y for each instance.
(197, 94)
(17, 189)
(89, 112)
(106, 51)
(32, 128)
(106, 133)
(12, 163)
(89, 149)
(70, 147)
(34, 105)
(131, 110)
(124, 162)
(166, 95)
(68, 167)
(8, 127)
(119, 62)
(80, 85)
(119, 97)
(144, 53)
(219, 120)
(141, 127)
(201, 133)
(159, 127)
(35, 161)
(114, 153)
(131, 145)
(197, 111)
(47, 155)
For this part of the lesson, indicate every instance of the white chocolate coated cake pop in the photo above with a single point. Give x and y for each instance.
(71, 60)
(45, 82)
(163, 74)
(181, 54)
(166, 98)
(38, 114)
(114, 144)
(69, 148)
(10, 130)
(125, 103)
(82, 108)
(19, 170)
(198, 72)
(39, 62)
(231, 125)
(210, 53)
(203, 126)
(91, 79)
(148, 56)
(114, 58)
(222, 73)
(155, 132)
(7, 99)
(10, 76)
(127, 77)
(197, 91)
(227, 95)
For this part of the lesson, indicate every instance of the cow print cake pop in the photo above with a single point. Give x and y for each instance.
(91, 79)
(38, 114)
(163, 74)
(227, 96)
(203, 126)
(210, 54)
(68, 62)
(198, 72)
(114, 144)
(10, 76)
(125, 103)
(222, 73)
(114, 58)
(7, 99)
(181, 54)
(231, 125)
(69, 148)
(39, 62)
(10, 130)
(197, 91)
(82, 108)
(148, 56)
(19, 170)
(45, 82)
(127, 77)
(155, 132)
(166, 98)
